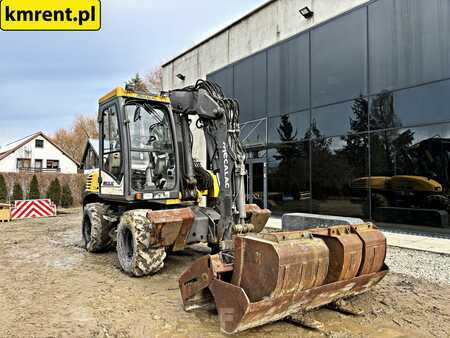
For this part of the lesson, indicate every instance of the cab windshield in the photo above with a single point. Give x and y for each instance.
(151, 146)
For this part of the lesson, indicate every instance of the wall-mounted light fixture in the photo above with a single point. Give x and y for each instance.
(306, 12)
(181, 77)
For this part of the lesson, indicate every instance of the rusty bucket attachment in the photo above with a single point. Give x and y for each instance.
(257, 217)
(268, 265)
(374, 248)
(277, 275)
(346, 252)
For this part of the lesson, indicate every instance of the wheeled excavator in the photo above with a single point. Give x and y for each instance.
(424, 186)
(150, 197)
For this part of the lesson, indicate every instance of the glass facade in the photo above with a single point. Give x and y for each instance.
(352, 116)
(338, 59)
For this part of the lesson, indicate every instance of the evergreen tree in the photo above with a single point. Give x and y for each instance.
(54, 192)
(355, 151)
(34, 192)
(288, 137)
(66, 196)
(137, 84)
(292, 156)
(3, 190)
(17, 192)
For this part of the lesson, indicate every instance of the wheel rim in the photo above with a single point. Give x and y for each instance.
(128, 245)
(87, 229)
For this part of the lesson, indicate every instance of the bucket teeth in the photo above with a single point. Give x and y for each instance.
(305, 321)
(345, 308)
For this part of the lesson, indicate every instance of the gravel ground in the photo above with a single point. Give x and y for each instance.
(419, 264)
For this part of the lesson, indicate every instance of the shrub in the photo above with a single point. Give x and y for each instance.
(66, 196)
(3, 190)
(17, 192)
(54, 191)
(34, 193)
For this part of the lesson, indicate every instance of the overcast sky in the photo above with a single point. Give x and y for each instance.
(48, 78)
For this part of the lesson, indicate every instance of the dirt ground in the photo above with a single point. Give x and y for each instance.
(50, 287)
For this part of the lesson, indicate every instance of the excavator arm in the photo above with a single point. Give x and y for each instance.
(218, 117)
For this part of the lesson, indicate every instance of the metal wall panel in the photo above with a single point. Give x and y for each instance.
(409, 43)
(412, 106)
(288, 76)
(339, 59)
(250, 86)
(224, 78)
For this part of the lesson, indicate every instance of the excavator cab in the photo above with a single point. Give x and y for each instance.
(138, 151)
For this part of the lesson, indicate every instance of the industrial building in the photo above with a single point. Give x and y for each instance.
(344, 105)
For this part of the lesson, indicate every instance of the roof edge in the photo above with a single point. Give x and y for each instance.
(31, 138)
(234, 23)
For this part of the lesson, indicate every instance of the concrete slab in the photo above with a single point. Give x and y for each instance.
(415, 229)
(303, 221)
(423, 243)
(274, 223)
(407, 241)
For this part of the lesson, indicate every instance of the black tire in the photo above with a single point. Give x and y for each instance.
(379, 201)
(95, 229)
(439, 202)
(137, 258)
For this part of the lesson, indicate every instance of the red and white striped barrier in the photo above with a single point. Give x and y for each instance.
(33, 209)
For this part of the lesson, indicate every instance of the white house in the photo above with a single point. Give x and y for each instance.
(36, 153)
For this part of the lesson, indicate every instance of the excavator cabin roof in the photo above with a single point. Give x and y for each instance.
(122, 92)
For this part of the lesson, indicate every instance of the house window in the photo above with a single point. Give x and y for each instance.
(39, 144)
(53, 164)
(23, 163)
(38, 165)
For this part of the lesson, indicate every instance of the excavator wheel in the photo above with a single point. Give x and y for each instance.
(378, 201)
(136, 257)
(439, 202)
(95, 229)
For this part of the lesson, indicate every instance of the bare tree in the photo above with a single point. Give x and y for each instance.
(73, 139)
(153, 80)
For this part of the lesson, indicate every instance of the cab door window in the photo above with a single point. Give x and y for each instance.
(112, 159)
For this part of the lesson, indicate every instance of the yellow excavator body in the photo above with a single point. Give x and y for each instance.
(398, 183)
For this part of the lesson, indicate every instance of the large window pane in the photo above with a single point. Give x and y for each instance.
(224, 78)
(420, 105)
(288, 128)
(339, 176)
(254, 133)
(338, 56)
(289, 179)
(410, 174)
(341, 119)
(250, 81)
(288, 76)
(112, 157)
(409, 42)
